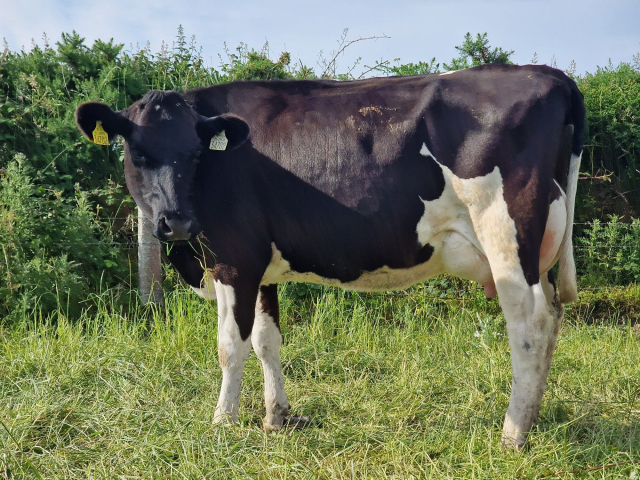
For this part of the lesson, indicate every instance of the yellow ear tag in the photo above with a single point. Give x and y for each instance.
(100, 137)
(219, 142)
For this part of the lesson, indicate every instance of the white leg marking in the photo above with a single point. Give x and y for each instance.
(266, 340)
(532, 323)
(232, 352)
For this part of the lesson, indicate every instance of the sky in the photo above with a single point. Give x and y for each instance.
(589, 32)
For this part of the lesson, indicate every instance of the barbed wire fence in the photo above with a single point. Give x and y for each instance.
(150, 264)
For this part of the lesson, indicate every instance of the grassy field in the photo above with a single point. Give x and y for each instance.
(399, 386)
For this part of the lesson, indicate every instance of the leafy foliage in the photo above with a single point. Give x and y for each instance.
(53, 250)
(612, 98)
(420, 68)
(249, 64)
(477, 52)
(609, 253)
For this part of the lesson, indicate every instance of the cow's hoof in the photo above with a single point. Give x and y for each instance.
(224, 419)
(271, 427)
(297, 421)
(513, 442)
(293, 421)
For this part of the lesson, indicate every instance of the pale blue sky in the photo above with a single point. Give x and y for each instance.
(588, 31)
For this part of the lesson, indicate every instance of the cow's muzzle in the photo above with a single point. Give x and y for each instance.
(172, 228)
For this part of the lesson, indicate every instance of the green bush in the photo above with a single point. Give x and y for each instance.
(54, 252)
(249, 64)
(612, 99)
(609, 253)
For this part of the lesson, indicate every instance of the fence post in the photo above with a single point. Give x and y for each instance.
(149, 265)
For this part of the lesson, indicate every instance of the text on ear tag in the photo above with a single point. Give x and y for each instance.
(100, 137)
(219, 142)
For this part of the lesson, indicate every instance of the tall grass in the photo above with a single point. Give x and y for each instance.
(398, 386)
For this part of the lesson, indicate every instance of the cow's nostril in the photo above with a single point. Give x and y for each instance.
(164, 230)
(173, 229)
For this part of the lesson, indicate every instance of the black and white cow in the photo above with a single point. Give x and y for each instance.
(369, 185)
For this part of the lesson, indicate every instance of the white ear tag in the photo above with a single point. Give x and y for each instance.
(219, 142)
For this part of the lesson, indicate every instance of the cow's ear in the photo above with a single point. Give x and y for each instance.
(91, 114)
(236, 131)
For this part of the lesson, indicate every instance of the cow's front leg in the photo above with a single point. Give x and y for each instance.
(266, 339)
(236, 302)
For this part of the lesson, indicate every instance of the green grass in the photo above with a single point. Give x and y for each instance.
(399, 386)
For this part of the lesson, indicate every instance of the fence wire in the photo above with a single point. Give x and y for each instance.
(134, 244)
(434, 292)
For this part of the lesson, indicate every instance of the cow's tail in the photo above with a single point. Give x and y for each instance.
(567, 281)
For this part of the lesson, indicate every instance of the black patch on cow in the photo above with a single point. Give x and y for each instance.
(554, 193)
(188, 260)
(551, 279)
(424, 254)
(269, 302)
(358, 209)
(225, 274)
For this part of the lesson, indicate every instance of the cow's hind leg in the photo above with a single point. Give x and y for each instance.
(235, 320)
(266, 339)
(511, 236)
(533, 321)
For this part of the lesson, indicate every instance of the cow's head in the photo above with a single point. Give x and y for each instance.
(164, 138)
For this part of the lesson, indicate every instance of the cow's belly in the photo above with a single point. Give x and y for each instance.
(384, 278)
(452, 254)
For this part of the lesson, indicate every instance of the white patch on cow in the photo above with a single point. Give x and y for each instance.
(449, 72)
(232, 352)
(463, 259)
(207, 288)
(266, 340)
(460, 251)
(156, 107)
(383, 279)
(426, 152)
